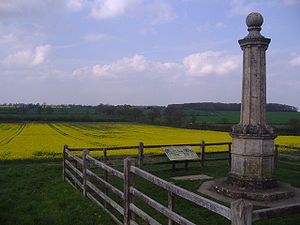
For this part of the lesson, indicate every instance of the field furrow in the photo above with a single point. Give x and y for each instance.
(11, 136)
(78, 134)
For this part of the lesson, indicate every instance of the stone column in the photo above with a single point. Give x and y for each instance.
(253, 140)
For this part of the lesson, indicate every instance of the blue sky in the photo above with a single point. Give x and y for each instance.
(141, 52)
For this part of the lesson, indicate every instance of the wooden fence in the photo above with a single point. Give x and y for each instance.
(129, 191)
(286, 156)
(141, 156)
(78, 172)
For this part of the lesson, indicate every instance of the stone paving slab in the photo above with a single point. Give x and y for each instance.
(193, 177)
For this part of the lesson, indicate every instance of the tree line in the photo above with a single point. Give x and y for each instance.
(112, 109)
(178, 115)
(218, 106)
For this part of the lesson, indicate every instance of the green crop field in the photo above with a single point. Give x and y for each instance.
(234, 116)
(90, 113)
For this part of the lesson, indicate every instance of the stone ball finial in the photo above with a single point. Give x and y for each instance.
(254, 19)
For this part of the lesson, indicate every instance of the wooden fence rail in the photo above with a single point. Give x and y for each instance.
(78, 172)
(175, 190)
(141, 155)
(286, 156)
(278, 211)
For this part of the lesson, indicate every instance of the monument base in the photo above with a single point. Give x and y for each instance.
(250, 182)
(221, 190)
(282, 195)
(281, 191)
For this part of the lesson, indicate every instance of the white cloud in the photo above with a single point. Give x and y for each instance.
(158, 12)
(295, 61)
(210, 62)
(137, 65)
(104, 9)
(98, 37)
(76, 5)
(123, 66)
(192, 66)
(21, 36)
(27, 58)
(40, 54)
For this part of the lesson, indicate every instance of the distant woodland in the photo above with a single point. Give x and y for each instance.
(109, 109)
(212, 106)
(204, 115)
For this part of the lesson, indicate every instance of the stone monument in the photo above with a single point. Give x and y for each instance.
(252, 155)
(252, 139)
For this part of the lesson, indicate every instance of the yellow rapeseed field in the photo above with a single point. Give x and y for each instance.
(40, 140)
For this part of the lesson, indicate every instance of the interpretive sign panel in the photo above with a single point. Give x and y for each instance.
(176, 153)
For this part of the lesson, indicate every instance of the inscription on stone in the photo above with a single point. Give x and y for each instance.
(180, 153)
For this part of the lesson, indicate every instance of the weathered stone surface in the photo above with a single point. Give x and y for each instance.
(252, 159)
(207, 189)
(251, 182)
(254, 19)
(252, 131)
(282, 191)
(252, 163)
(253, 147)
(252, 155)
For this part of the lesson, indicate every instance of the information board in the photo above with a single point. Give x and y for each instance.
(177, 153)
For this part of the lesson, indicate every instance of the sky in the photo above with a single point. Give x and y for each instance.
(142, 52)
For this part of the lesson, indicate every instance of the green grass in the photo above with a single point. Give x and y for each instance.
(32, 192)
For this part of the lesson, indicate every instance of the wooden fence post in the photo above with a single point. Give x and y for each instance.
(105, 174)
(186, 164)
(171, 205)
(105, 155)
(241, 212)
(202, 143)
(84, 168)
(173, 166)
(128, 182)
(63, 162)
(276, 157)
(141, 155)
(229, 154)
(76, 175)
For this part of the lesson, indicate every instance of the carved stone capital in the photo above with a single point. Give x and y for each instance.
(249, 130)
